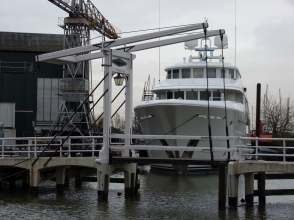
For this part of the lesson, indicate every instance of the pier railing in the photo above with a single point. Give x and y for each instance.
(245, 147)
(35, 146)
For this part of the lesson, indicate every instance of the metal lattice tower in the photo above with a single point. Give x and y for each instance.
(76, 84)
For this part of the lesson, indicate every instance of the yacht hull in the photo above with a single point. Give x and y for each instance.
(177, 117)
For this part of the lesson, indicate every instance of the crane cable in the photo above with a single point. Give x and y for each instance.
(207, 93)
(225, 98)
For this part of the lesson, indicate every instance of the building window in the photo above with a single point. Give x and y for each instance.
(197, 73)
(211, 72)
(186, 73)
(176, 74)
(179, 95)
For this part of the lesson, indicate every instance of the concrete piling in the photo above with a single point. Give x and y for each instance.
(261, 187)
(103, 178)
(103, 186)
(60, 179)
(249, 188)
(222, 187)
(34, 181)
(233, 189)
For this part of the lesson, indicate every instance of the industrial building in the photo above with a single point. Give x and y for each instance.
(33, 87)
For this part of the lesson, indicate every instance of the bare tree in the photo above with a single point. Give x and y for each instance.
(136, 126)
(278, 116)
(118, 123)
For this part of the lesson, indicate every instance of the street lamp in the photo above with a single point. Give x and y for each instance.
(118, 79)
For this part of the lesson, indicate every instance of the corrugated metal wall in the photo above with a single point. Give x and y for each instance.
(14, 41)
(21, 87)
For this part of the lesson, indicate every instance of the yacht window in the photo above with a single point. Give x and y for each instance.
(203, 95)
(239, 97)
(169, 95)
(192, 95)
(211, 72)
(197, 73)
(231, 72)
(238, 75)
(223, 73)
(168, 76)
(176, 74)
(179, 95)
(161, 95)
(186, 73)
(216, 96)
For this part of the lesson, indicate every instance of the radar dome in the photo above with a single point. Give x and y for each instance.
(190, 45)
(218, 42)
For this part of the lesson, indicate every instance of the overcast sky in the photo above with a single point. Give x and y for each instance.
(265, 35)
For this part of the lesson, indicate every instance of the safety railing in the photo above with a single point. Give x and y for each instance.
(39, 146)
(244, 147)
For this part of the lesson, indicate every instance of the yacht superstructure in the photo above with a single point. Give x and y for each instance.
(194, 95)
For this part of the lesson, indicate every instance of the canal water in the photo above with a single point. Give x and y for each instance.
(160, 197)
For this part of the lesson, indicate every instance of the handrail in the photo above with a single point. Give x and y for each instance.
(32, 146)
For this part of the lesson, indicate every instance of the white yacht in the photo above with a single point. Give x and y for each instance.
(179, 106)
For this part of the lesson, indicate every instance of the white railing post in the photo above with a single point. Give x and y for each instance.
(3, 148)
(35, 146)
(256, 149)
(93, 145)
(29, 147)
(284, 151)
(240, 149)
(60, 150)
(69, 146)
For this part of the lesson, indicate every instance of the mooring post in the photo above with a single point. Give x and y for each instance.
(60, 179)
(249, 188)
(233, 189)
(261, 187)
(222, 185)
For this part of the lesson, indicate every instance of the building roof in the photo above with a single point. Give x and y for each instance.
(31, 42)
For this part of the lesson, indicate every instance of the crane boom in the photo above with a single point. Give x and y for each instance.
(80, 8)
